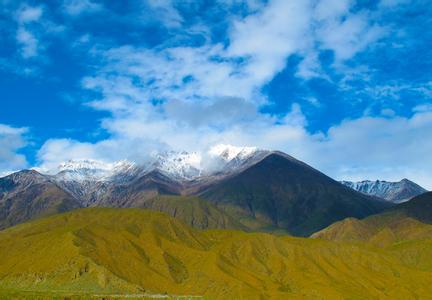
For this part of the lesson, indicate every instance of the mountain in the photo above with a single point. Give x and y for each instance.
(94, 181)
(280, 192)
(28, 194)
(395, 192)
(110, 253)
(179, 166)
(259, 189)
(405, 222)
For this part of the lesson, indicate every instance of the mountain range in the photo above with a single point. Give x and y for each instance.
(262, 190)
(213, 226)
(395, 192)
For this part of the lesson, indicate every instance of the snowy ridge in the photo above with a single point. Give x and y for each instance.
(178, 165)
(93, 170)
(229, 152)
(395, 192)
(90, 179)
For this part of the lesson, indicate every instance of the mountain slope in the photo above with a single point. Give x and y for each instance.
(193, 211)
(419, 208)
(404, 231)
(130, 251)
(27, 194)
(405, 222)
(282, 192)
(395, 192)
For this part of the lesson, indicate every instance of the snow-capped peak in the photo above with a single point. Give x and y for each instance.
(229, 152)
(179, 165)
(84, 164)
(89, 169)
(183, 165)
(396, 192)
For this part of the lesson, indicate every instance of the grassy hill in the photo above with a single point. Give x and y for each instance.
(135, 251)
(194, 212)
(403, 231)
(405, 222)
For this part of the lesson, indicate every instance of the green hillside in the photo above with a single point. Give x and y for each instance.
(405, 222)
(404, 231)
(101, 251)
(194, 212)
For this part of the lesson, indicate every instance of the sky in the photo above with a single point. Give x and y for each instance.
(344, 85)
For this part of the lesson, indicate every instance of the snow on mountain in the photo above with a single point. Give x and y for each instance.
(89, 179)
(87, 169)
(181, 166)
(395, 192)
(229, 152)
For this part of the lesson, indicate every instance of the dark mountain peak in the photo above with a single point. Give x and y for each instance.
(280, 154)
(282, 192)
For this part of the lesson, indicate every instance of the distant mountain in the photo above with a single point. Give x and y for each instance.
(140, 254)
(280, 192)
(407, 221)
(259, 189)
(395, 192)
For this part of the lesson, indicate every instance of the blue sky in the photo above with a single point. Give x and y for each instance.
(343, 85)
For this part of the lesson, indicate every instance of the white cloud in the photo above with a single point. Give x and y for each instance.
(266, 39)
(12, 140)
(348, 36)
(26, 38)
(28, 14)
(29, 43)
(379, 148)
(77, 7)
(164, 11)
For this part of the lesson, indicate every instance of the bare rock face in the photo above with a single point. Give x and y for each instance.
(28, 194)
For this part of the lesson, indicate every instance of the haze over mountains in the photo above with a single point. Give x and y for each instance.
(260, 189)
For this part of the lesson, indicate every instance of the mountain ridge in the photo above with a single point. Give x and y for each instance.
(263, 190)
(395, 192)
